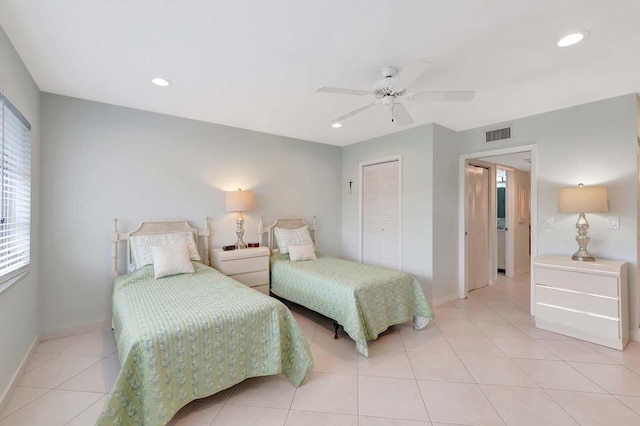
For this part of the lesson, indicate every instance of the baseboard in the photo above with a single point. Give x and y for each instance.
(521, 271)
(85, 328)
(443, 300)
(634, 336)
(6, 395)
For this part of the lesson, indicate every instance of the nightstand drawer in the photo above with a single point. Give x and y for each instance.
(578, 301)
(264, 289)
(590, 324)
(247, 266)
(239, 266)
(252, 279)
(577, 281)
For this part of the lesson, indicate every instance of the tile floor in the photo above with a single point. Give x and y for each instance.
(481, 362)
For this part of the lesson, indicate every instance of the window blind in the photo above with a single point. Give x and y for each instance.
(15, 184)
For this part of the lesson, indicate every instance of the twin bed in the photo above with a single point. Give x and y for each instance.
(184, 336)
(187, 336)
(364, 299)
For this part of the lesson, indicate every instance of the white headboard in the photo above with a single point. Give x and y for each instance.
(156, 227)
(286, 223)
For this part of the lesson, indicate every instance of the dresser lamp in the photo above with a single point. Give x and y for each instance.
(583, 199)
(239, 201)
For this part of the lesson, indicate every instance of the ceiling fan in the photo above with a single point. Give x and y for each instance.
(393, 86)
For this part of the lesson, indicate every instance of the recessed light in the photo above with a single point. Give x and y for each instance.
(573, 38)
(336, 125)
(159, 81)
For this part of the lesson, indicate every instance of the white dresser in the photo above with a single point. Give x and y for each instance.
(585, 300)
(249, 266)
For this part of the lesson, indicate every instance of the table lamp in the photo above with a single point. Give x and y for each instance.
(583, 199)
(239, 201)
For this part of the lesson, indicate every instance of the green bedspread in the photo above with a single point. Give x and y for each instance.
(189, 336)
(364, 299)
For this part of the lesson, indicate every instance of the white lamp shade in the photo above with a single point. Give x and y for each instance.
(239, 201)
(583, 199)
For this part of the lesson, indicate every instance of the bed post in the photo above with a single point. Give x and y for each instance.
(114, 249)
(206, 241)
(313, 228)
(260, 230)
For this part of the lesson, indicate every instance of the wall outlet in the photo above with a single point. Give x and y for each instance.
(614, 222)
(548, 222)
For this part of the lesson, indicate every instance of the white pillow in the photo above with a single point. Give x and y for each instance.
(298, 253)
(297, 237)
(171, 259)
(141, 246)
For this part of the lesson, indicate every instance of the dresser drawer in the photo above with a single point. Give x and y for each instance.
(252, 279)
(238, 266)
(577, 281)
(591, 324)
(578, 301)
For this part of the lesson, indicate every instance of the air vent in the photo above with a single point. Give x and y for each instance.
(498, 135)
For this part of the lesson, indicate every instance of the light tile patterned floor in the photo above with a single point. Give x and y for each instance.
(482, 362)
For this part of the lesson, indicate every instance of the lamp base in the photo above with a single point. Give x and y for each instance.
(240, 232)
(583, 240)
(587, 258)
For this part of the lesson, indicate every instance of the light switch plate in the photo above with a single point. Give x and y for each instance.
(548, 222)
(614, 222)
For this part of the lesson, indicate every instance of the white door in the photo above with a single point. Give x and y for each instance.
(477, 232)
(381, 214)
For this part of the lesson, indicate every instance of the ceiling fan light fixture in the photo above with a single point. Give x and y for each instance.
(572, 39)
(389, 100)
(159, 81)
(391, 90)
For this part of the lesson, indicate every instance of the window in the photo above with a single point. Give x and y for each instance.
(15, 184)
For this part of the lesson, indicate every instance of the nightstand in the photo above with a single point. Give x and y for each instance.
(249, 266)
(585, 300)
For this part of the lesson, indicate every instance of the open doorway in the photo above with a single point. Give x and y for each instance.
(518, 224)
(513, 212)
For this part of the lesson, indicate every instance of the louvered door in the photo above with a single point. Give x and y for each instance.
(477, 233)
(381, 214)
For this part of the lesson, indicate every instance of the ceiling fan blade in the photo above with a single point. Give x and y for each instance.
(354, 112)
(400, 115)
(443, 96)
(342, 91)
(411, 72)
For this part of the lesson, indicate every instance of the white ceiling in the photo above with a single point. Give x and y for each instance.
(256, 64)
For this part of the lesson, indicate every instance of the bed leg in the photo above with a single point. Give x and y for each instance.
(335, 329)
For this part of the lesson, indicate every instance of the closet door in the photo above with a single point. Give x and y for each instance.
(381, 214)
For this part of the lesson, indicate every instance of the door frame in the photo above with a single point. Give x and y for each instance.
(462, 161)
(361, 167)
